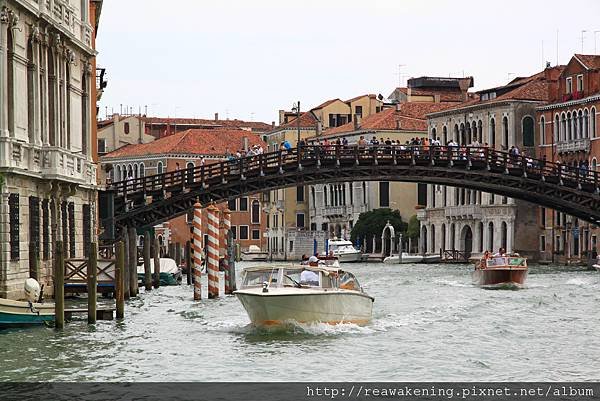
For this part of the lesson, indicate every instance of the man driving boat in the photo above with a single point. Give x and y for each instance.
(310, 277)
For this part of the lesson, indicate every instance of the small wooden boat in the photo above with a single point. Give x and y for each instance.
(406, 258)
(505, 271)
(24, 313)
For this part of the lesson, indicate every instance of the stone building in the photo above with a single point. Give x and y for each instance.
(188, 149)
(48, 99)
(474, 221)
(568, 133)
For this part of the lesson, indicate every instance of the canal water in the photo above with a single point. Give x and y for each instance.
(429, 324)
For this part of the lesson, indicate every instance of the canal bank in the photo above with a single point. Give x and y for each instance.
(429, 323)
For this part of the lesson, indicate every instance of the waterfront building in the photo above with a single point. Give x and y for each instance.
(48, 94)
(473, 221)
(433, 90)
(189, 149)
(568, 133)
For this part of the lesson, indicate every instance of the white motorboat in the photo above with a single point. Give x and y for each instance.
(276, 295)
(254, 254)
(406, 258)
(170, 273)
(344, 251)
(597, 267)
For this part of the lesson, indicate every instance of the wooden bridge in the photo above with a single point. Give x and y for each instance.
(146, 201)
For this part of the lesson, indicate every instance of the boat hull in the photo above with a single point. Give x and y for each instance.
(406, 259)
(597, 267)
(348, 257)
(19, 313)
(276, 308)
(500, 277)
(254, 256)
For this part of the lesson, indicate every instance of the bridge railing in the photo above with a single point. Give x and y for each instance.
(294, 158)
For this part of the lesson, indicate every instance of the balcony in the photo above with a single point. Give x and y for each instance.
(101, 82)
(575, 145)
(463, 212)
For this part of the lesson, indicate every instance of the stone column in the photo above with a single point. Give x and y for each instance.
(486, 236)
(510, 235)
(4, 25)
(476, 238)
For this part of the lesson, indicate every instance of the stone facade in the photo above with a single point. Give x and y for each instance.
(47, 135)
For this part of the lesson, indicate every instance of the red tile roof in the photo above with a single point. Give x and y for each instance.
(327, 103)
(370, 96)
(307, 120)
(192, 141)
(195, 122)
(591, 61)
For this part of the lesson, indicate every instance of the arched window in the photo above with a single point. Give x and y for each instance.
(432, 238)
(490, 244)
(528, 134)
(504, 233)
(474, 131)
(189, 167)
(556, 128)
(67, 102)
(126, 128)
(593, 122)
(462, 139)
(255, 212)
(492, 133)
(135, 171)
(444, 135)
(456, 133)
(580, 124)
(142, 170)
(30, 92)
(443, 239)
(480, 236)
(84, 115)
(480, 130)
(594, 164)
(586, 124)
(325, 195)
(118, 174)
(129, 171)
(569, 133)
(433, 133)
(159, 168)
(313, 196)
(452, 233)
(505, 132)
(542, 130)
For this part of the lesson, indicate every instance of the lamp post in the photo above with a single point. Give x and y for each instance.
(296, 109)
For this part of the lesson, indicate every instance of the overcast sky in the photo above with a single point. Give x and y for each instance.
(248, 59)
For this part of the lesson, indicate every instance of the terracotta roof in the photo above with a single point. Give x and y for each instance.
(370, 96)
(327, 103)
(307, 120)
(196, 122)
(411, 117)
(192, 141)
(591, 61)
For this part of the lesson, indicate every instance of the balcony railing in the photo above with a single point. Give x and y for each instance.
(463, 212)
(573, 145)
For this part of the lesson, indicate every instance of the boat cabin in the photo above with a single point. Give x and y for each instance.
(299, 277)
(503, 262)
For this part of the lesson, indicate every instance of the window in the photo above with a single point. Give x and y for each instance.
(234, 231)
(231, 204)
(159, 168)
(493, 133)
(569, 85)
(542, 131)
(300, 193)
(593, 122)
(299, 220)
(13, 210)
(542, 243)
(358, 110)
(34, 233)
(324, 227)
(87, 230)
(505, 132)
(244, 204)
(543, 216)
(46, 228)
(101, 145)
(243, 232)
(71, 212)
(579, 83)
(126, 128)
(30, 92)
(142, 170)
(528, 134)
(255, 212)
(384, 194)
(255, 234)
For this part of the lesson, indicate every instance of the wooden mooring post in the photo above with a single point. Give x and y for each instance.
(231, 257)
(59, 285)
(147, 267)
(156, 264)
(120, 280)
(126, 293)
(197, 249)
(212, 252)
(224, 239)
(133, 261)
(92, 282)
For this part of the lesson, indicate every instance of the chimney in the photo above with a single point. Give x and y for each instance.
(319, 128)
(216, 116)
(398, 124)
(245, 143)
(281, 117)
(437, 98)
(357, 119)
(272, 124)
(398, 106)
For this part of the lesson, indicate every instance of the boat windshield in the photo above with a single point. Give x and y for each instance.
(258, 277)
(505, 261)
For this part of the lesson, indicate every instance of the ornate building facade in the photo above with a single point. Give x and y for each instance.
(474, 221)
(47, 135)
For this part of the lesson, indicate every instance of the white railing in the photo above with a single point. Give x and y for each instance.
(463, 211)
(573, 145)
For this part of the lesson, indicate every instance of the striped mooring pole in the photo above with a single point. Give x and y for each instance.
(225, 247)
(212, 252)
(197, 248)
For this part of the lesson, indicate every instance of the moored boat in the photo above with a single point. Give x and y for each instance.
(170, 273)
(505, 271)
(274, 296)
(26, 313)
(254, 253)
(406, 258)
(344, 250)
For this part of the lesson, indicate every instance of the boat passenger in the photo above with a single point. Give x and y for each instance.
(501, 252)
(310, 277)
(304, 260)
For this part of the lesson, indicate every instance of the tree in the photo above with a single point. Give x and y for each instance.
(414, 227)
(371, 224)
